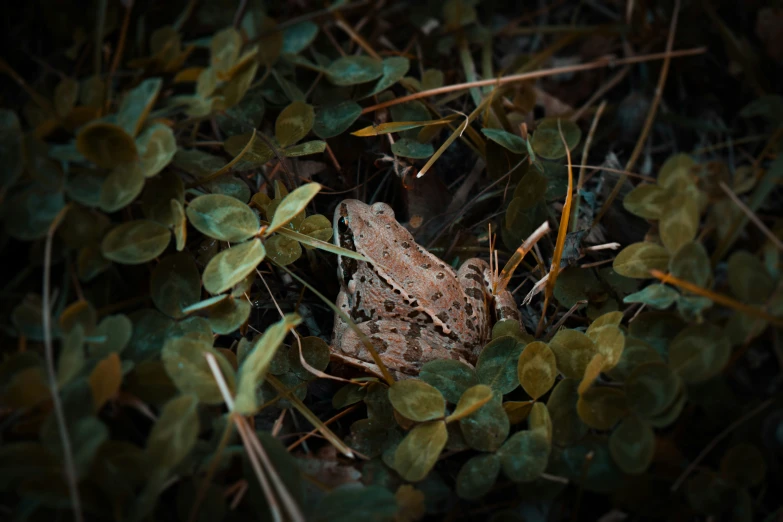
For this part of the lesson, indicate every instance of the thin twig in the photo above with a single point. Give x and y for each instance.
(751, 216)
(585, 153)
(62, 426)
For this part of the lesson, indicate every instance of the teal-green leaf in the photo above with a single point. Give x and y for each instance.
(450, 377)
(655, 296)
(186, 364)
(349, 503)
(175, 284)
(632, 445)
(497, 364)
(228, 315)
(410, 148)
(232, 265)
(487, 427)
(29, 209)
(394, 69)
(333, 120)
(305, 149)
(546, 140)
(297, 37)
(174, 434)
(506, 140)
(222, 217)
(137, 104)
(135, 242)
(525, 455)
(157, 147)
(121, 187)
(350, 70)
(477, 476)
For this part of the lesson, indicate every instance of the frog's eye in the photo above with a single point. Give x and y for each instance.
(342, 225)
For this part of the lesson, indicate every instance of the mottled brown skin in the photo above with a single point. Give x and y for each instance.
(412, 306)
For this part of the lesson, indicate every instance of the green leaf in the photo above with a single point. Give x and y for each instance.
(116, 332)
(537, 369)
(419, 450)
(258, 154)
(655, 296)
(122, 186)
(473, 399)
(87, 435)
(748, 278)
(333, 120)
(567, 427)
(105, 380)
(175, 284)
(222, 217)
(29, 209)
(646, 201)
(135, 242)
(348, 503)
(486, 428)
(692, 263)
(497, 364)
(417, 400)
(609, 340)
(477, 476)
(632, 445)
(157, 196)
(305, 149)
(149, 334)
(506, 140)
(651, 388)
(679, 221)
(573, 352)
(157, 147)
(410, 148)
(699, 352)
(294, 123)
(315, 352)
(11, 163)
(71, 359)
(297, 37)
(256, 363)
(601, 407)
(232, 265)
(137, 104)
(394, 69)
(224, 48)
(105, 144)
(451, 378)
(316, 226)
(186, 364)
(229, 315)
(292, 205)
(174, 434)
(282, 250)
(676, 167)
(525, 455)
(546, 140)
(638, 259)
(350, 70)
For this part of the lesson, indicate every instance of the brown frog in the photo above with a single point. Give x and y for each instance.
(413, 307)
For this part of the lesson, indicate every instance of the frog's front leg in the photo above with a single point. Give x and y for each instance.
(403, 347)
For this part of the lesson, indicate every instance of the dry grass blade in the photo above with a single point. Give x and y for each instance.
(751, 216)
(227, 167)
(718, 298)
(562, 232)
(70, 468)
(519, 255)
(585, 153)
(438, 153)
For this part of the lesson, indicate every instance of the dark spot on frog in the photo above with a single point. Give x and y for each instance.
(412, 353)
(506, 312)
(475, 269)
(436, 296)
(468, 309)
(443, 316)
(440, 275)
(426, 266)
(414, 303)
(373, 327)
(413, 314)
(405, 244)
(393, 330)
(475, 293)
(455, 304)
(379, 344)
(474, 277)
(414, 331)
(388, 305)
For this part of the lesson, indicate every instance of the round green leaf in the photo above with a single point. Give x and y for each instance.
(537, 369)
(174, 433)
(29, 209)
(632, 445)
(258, 154)
(497, 364)
(116, 331)
(546, 140)
(121, 187)
(222, 217)
(157, 146)
(185, 362)
(293, 123)
(609, 340)
(232, 265)
(651, 388)
(157, 196)
(676, 167)
(283, 250)
(71, 359)
(692, 263)
(135, 242)
(601, 407)
(745, 465)
(473, 399)
(350, 70)
(305, 149)
(105, 144)
(646, 201)
(486, 428)
(316, 354)
(573, 352)
(567, 427)
(137, 104)
(316, 226)
(292, 205)
(748, 278)
(638, 259)
(655, 296)
(410, 148)
(297, 37)
(699, 352)
(451, 378)
(419, 450)
(477, 476)
(228, 315)
(150, 329)
(333, 120)
(525, 456)
(506, 140)
(417, 400)
(679, 221)
(394, 70)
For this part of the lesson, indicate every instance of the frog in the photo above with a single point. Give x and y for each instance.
(413, 307)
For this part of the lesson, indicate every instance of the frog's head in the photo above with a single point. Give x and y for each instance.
(357, 225)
